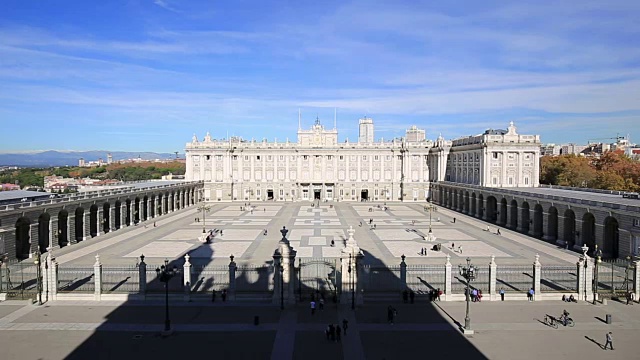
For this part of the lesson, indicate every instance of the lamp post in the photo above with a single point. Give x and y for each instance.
(468, 273)
(165, 274)
(204, 208)
(281, 287)
(353, 290)
(39, 277)
(431, 208)
(300, 279)
(2, 261)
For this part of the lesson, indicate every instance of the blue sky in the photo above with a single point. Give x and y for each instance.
(145, 75)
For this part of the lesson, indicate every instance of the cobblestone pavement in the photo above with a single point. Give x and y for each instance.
(252, 234)
(503, 330)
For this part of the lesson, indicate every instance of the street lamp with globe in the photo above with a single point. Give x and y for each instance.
(468, 273)
(165, 273)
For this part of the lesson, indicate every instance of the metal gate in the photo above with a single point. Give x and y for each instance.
(20, 280)
(318, 275)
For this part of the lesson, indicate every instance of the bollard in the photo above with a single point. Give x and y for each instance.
(256, 320)
(608, 319)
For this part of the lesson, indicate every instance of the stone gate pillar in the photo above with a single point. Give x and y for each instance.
(493, 272)
(636, 279)
(537, 272)
(284, 259)
(403, 272)
(351, 255)
(142, 270)
(97, 273)
(99, 221)
(231, 293)
(585, 276)
(186, 278)
(447, 279)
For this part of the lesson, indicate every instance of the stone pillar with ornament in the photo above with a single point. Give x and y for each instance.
(284, 259)
(351, 256)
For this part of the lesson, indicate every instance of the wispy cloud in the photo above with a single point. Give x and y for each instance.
(165, 5)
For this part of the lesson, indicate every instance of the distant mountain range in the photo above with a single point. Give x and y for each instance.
(64, 158)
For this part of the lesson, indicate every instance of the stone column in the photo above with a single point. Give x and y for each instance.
(447, 279)
(537, 272)
(284, 257)
(99, 221)
(277, 262)
(112, 218)
(585, 276)
(97, 273)
(403, 273)
(231, 292)
(86, 228)
(493, 272)
(508, 217)
(520, 227)
(53, 277)
(186, 278)
(142, 271)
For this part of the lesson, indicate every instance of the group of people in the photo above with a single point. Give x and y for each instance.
(434, 295)
(569, 298)
(408, 295)
(334, 332)
(476, 295)
(223, 295)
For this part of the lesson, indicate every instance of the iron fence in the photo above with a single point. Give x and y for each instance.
(19, 280)
(422, 278)
(154, 285)
(208, 278)
(481, 281)
(614, 276)
(252, 279)
(380, 278)
(124, 279)
(518, 278)
(76, 279)
(318, 275)
(562, 278)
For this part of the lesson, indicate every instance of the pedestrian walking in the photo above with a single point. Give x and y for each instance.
(154, 224)
(337, 333)
(454, 220)
(327, 332)
(499, 232)
(345, 326)
(439, 293)
(474, 295)
(412, 296)
(390, 314)
(609, 341)
(488, 228)
(530, 294)
(332, 332)
(405, 296)
(460, 249)
(312, 304)
(628, 296)
(502, 294)
(321, 304)
(213, 295)
(224, 295)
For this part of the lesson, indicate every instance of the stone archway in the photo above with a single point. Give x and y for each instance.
(569, 228)
(93, 220)
(44, 232)
(491, 209)
(455, 199)
(63, 228)
(537, 220)
(481, 205)
(136, 210)
(552, 225)
(513, 215)
(526, 217)
(611, 243)
(474, 204)
(106, 217)
(503, 212)
(23, 238)
(79, 223)
(461, 204)
(588, 234)
(466, 202)
(152, 206)
(117, 221)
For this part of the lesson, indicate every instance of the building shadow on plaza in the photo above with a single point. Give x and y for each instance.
(245, 325)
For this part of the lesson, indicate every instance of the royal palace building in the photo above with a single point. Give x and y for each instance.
(320, 167)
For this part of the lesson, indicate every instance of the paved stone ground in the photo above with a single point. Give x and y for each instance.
(503, 330)
(399, 230)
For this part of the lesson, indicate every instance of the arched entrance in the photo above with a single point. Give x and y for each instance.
(93, 220)
(552, 225)
(491, 208)
(44, 232)
(63, 228)
(526, 217)
(106, 217)
(455, 199)
(503, 212)
(441, 198)
(569, 228)
(588, 235)
(466, 202)
(473, 204)
(461, 201)
(136, 210)
(79, 224)
(481, 206)
(118, 215)
(23, 238)
(152, 207)
(513, 215)
(537, 221)
(611, 237)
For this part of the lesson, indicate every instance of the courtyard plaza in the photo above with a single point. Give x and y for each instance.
(503, 330)
(399, 230)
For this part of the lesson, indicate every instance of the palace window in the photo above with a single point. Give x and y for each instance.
(364, 157)
(305, 157)
(494, 155)
(246, 157)
(375, 158)
(341, 157)
(258, 157)
(329, 157)
(281, 157)
(207, 157)
(235, 157)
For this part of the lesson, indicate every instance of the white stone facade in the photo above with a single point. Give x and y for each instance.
(496, 158)
(318, 167)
